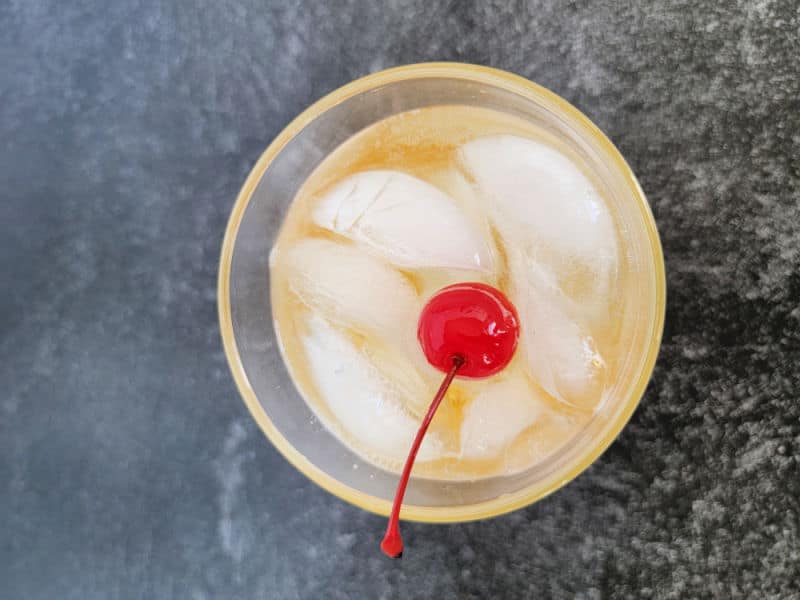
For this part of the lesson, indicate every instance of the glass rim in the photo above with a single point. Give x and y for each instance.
(506, 502)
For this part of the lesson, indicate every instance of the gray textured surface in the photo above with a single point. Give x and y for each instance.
(129, 467)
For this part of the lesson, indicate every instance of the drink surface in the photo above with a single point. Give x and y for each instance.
(422, 200)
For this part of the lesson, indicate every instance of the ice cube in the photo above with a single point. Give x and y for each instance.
(455, 184)
(405, 220)
(368, 406)
(559, 351)
(497, 415)
(551, 432)
(544, 205)
(354, 289)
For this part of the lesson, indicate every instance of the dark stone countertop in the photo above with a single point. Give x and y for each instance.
(129, 468)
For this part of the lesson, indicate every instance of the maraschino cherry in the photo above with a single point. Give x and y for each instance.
(467, 329)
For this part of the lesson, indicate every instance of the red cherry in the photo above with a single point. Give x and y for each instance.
(467, 329)
(474, 321)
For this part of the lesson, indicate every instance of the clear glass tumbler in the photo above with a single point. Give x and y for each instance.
(244, 294)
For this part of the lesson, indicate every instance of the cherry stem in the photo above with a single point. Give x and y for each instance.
(392, 544)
